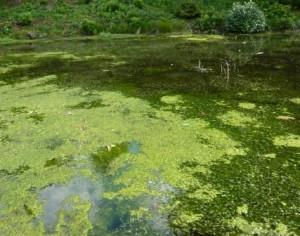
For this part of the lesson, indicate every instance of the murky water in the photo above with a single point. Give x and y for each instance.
(173, 135)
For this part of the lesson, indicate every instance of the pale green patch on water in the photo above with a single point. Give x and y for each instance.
(186, 218)
(270, 155)
(254, 228)
(74, 218)
(295, 100)
(140, 213)
(237, 119)
(9, 68)
(204, 192)
(285, 118)
(51, 150)
(172, 99)
(242, 210)
(62, 55)
(247, 105)
(290, 140)
(221, 103)
(59, 55)
(200, 38)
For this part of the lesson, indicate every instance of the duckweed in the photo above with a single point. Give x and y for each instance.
(124, 137)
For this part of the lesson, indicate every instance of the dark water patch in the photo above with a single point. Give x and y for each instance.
(4, 124)
(20, 170)
(28, 210)
(36, 117)
(6, 139)
(138, 216)
(270, 196)
(54, 142)
(24, 48)
(134, 147)
(19, 110)
(108, 153)
(88, 105)
(59, 161)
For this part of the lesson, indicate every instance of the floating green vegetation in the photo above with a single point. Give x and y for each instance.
(19, 110)
(296, 100)
(235, 118)
(88, 105)
(61, 55)
(59, 161)
(246, 105)
(9, 68)
(172, 99)
(36, 117)
(20, 170)
(74, 219)
(55, 54)
(54, 142)
(85, 130)
(98, 144)
(285, 118)
(108, 153)
(290, 140)
(254, 228)
(270, 155)
(201, 38)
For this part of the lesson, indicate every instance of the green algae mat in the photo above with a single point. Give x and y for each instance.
(172, 135)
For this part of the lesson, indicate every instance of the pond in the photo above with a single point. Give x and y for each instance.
(156, 135)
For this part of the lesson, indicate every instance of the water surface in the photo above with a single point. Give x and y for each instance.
(171, 135)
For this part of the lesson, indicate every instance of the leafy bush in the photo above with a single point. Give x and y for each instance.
(5, 28)
(280, 17)
(113, 6)
(294, 3)
(90, 28)
(24, 19)
(138, 4)
(210, 22)
(245, 18)
(188, 10)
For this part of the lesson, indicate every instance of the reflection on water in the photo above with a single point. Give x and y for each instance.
(55, 195)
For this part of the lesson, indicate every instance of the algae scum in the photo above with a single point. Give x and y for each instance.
(188, 135)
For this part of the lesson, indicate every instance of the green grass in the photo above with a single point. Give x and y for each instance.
(65, 18)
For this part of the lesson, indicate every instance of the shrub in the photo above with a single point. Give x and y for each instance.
(280, 17)
(113, 6)
(138, 4)
(188, 10)
(24, 19)
(245, 18)
(294, 3)
(210, 22)
(5, 28)
(90, 28)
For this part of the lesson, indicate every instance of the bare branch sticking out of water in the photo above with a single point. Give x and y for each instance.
(227, 70)
(201, 69)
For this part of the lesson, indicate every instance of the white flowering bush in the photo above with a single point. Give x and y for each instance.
(245, 18)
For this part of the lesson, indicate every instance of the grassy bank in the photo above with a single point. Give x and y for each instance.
(47, 19)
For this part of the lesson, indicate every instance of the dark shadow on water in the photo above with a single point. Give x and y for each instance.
(105, 155)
